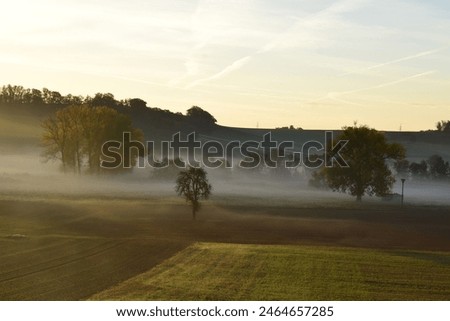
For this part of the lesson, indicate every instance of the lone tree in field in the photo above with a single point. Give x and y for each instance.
(366, 154)
(193, 185)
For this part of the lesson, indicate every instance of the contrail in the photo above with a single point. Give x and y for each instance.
(388, 83)
(335, 95)
(418, 55)
(228, 69)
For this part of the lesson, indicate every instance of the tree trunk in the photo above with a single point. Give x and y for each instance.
(193, 212)
(358, 198)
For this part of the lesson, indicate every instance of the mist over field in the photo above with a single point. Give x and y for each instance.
(26, 172)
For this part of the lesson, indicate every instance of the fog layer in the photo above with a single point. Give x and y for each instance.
(24, 173)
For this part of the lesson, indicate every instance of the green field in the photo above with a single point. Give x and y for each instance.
(213, 271)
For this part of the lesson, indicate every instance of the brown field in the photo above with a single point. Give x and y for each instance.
(74, 248)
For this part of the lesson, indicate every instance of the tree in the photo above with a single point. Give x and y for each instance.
(105, 100)
(438, 167)
(137, 103)
(75, 135)
(419, 169)
(72, 100)
(200, 116)
(56, 139)
(12, 94)
(193, 185)
(366, 154)
(32, 96)
(51, 97)
(443, 126)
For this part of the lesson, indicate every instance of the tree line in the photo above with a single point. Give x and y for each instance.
(12, 94)
(435, 167)
(74, 135)
(154, 121)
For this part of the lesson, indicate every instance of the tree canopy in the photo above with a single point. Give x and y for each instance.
(75, 135)
(194, 186)
(366, 154)
(199, 115)
(439, 168)
(443, 126)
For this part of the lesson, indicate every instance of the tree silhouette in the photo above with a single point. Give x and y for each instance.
(137, 103)
(75, 135)
(366, 153)
(443, 126)
(105, 100)
(201, 116)
(419, 169)
(193, 185)
(439, 168)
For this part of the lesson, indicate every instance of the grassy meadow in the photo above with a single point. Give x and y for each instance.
(217, 271)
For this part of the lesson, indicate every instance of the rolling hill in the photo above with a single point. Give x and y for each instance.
(20, 128)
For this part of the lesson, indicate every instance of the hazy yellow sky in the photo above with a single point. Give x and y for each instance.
(313, 64)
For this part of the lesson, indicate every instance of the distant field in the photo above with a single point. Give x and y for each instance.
(212, 271)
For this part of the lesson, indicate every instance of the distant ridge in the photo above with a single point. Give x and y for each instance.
(24, 109)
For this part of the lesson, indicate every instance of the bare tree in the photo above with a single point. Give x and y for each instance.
(193, 185)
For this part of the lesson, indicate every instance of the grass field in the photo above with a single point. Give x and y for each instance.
(212, 271)
(75, 248)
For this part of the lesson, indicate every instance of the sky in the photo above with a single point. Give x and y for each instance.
(319, 64)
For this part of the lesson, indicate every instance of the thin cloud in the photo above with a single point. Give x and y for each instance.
(301, 34)
(308, 31)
